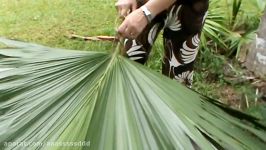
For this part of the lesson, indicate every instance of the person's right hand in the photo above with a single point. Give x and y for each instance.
(125, 7)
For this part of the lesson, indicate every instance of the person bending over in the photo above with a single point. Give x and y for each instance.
(181, 21)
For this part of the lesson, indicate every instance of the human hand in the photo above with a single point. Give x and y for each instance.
(125, 7)
(133, 25)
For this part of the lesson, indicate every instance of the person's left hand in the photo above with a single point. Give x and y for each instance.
(133, 25)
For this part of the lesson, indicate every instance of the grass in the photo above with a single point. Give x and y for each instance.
(49, 22)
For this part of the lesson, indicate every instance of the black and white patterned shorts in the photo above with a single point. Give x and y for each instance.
(182, 24)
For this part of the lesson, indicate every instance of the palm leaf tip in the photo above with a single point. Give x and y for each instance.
(111, 103)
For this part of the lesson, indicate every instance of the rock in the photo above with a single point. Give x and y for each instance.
(256, 57)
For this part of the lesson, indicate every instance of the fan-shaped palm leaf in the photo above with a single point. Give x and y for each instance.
(52, 95)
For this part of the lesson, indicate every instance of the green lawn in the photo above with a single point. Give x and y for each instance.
(49, 22)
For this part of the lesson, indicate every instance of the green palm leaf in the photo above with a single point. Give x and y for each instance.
(52, 95)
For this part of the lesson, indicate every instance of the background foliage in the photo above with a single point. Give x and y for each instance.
(231, 24)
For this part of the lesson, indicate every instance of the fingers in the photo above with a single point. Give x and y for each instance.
(124, 12)
(126, 31)
(130, 33)
(133, 25)
(121, 29)
(134, 6)
(124, 9)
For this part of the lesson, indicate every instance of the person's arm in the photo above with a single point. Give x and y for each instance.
(135, 22)
(157, 6)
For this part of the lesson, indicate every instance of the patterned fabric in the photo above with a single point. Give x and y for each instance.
(182, 24)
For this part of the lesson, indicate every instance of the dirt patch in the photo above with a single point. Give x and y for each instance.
(230, 96)
(243, 89)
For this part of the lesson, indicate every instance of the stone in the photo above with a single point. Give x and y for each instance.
(256, 57)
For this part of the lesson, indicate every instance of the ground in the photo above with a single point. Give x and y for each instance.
(50, 23)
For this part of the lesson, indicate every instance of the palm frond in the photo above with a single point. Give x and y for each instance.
(52, 95)
(215, 27)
